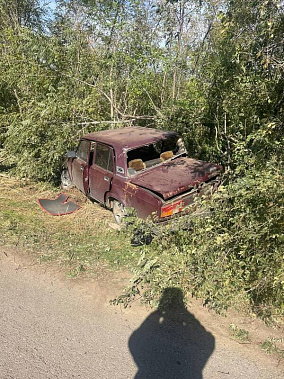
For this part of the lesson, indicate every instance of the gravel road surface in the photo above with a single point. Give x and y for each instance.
(53, 328)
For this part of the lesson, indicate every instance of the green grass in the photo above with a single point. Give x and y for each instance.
(81, 242)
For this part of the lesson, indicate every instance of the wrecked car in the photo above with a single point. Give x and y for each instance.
(141, 168)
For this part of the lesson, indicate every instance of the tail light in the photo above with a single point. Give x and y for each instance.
(171, 209)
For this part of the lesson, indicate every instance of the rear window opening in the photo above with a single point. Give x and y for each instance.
(150, 155)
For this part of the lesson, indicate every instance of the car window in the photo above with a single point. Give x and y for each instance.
(83, 150)
(147, 156)
(103, 157)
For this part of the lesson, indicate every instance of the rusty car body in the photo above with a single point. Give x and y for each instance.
(142, 168)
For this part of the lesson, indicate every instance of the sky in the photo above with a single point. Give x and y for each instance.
(51, 4)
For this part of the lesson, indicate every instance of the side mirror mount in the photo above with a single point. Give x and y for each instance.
(71, 154)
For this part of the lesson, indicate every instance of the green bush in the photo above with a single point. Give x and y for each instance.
(228, 254)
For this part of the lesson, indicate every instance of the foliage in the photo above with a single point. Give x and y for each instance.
(273, 345)
(212, 70)
(239, 334)
(229, 253)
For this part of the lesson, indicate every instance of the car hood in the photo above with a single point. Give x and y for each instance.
(176, 176)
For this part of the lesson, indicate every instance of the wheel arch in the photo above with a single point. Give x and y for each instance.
(109, 199)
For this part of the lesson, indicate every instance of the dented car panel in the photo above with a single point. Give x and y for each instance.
(177, 176)
(142, 168)
(145, 202)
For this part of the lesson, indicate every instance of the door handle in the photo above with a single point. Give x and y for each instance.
(106, 178)
(82, 168)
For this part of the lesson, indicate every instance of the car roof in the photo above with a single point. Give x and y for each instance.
(129, 137)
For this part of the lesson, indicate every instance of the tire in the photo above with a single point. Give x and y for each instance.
(66, 182)
(119, 212)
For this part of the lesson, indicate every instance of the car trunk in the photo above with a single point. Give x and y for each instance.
(177, 176)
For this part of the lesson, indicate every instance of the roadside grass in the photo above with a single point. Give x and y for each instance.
(81, 242)
(239, 334)
(274, 346)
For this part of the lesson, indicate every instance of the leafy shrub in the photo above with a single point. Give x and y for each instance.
(230, 253)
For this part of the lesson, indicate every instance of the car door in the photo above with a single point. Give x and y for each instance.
(80, 166)
(101, 172)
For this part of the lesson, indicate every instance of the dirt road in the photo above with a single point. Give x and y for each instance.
(55, 328)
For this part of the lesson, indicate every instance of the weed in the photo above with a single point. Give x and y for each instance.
(272, 346)
(241, 335)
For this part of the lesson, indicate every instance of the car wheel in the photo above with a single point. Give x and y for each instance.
(66, 181)
(119, 212)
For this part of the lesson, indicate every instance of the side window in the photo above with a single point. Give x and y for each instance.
(104, 157)
(83, 150)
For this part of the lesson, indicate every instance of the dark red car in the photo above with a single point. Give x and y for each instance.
(142, 168)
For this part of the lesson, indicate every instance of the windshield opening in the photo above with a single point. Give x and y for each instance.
(155, 153)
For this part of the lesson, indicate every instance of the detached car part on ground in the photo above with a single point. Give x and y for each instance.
(142, 168)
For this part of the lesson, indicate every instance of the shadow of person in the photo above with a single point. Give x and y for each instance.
(171, 343)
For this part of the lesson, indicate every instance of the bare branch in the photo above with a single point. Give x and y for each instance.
(142, 117)
(104, 122)
(154, 105)
(202, 45)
